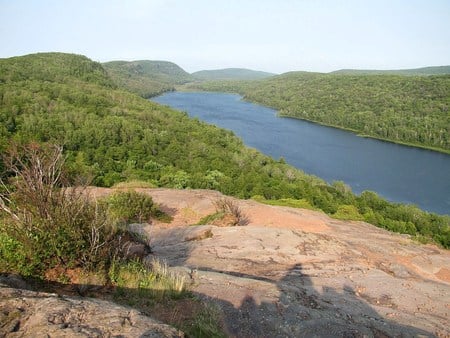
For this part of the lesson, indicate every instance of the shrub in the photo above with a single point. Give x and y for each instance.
(348, 212)
(229, 207)
(13, 258)
(131, 206)
(227, 213)
(50, 224)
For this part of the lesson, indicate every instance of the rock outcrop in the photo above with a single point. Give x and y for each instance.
(299, 273)
(25, 313)
(288, 273)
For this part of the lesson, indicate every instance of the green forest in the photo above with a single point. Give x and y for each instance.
(147, 78)
(434, 70)
(412, 110)
(231, 74)
(111, 135)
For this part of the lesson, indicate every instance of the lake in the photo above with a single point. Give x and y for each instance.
(396, 172)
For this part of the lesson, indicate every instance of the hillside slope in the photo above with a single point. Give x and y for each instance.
(110, 135)
(52, 67)
(436, 70)
(231, 74)
(407, 109)
(147, 78)
(289, 273)
(297, 273)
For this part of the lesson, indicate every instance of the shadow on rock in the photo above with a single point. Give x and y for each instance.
(301, 311)
(294, 308)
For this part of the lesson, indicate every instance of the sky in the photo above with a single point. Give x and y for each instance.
(270, 35)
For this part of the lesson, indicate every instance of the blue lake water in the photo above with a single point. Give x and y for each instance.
(398, 173)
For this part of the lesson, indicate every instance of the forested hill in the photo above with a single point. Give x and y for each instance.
(147, 78)
(53, 67)
(437, 70)
(112, 135)
(231, 74)
(406, 109)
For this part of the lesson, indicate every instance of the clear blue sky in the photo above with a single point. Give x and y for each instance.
(270, 35)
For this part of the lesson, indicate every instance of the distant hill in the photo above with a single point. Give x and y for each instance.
(53, 67)
(438, 70)
(406, 109)
(231, 74)
(147, 78)
(111, 135)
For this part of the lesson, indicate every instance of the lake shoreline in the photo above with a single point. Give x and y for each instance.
(399, 173)
(183, 89)
(406, 144)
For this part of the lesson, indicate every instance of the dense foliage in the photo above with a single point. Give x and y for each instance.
(45, 223)
(436, 70)
(406, 109)
(112, 135)
(147, 78)
(231, 74)
(131, 206)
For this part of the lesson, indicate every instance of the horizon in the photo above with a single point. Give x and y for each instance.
(288, 71)
(233, 67)
(266, 35)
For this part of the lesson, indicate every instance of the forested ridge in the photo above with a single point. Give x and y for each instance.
(113, 135)
(147, 78)
(436, 70)
(231, 74)
(406, 109)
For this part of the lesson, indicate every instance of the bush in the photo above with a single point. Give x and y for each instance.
(228, 206)
(348, 212)
(13, 258)
(49, 224)
(131, 206)
(227, 213)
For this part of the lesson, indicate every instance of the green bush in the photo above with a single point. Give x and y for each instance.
(348, 212)
(131, 206)
(13, 257)
(46, 225)
(113, 136)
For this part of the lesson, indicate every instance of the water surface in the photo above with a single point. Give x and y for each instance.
(396, 172)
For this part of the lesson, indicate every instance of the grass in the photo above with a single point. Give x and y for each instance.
(285, 202)
(134, 184)
(228, 213)
(211, 218)
(152, 284)
(155, 290)
(205, 324)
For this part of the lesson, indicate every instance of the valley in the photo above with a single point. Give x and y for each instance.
(295, 254)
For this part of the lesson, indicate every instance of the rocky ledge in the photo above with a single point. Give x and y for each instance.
(25, 313)
(288, 273)
(299, 273)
